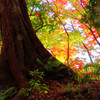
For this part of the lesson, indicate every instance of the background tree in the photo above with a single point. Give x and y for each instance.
(74, 18)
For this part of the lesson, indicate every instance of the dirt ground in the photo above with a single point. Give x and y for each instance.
(58, 91)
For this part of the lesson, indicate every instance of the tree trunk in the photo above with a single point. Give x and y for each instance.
(20, 47)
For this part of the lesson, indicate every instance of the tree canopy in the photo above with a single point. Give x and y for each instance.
(67, 20)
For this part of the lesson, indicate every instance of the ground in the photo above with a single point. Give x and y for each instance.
(62, 90)
(58, 91)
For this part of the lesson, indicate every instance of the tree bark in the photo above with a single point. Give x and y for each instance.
(20, 47)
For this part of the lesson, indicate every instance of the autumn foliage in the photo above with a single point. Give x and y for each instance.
(69, 30)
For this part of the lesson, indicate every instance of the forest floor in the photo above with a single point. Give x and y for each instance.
(66, 90)
(60, 90)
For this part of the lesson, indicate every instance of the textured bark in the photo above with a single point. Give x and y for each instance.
(20, 47)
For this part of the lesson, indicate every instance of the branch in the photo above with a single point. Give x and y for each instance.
(82, 6)
(42, 27)
(88, 52)
(31, 12)
(92, 33)
(85, 47)
(94, 36)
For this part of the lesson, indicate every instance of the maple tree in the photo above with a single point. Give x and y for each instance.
(75, 29)
(90, 35)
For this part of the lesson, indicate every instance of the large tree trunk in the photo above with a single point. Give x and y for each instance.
(20, 47)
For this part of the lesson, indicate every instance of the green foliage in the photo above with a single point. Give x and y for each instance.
(50, 66)
(69, 86)
(35, 85)
(59, 85)
(90, 72)
(39, 15)
(91, 16)
(37, 74)
(38, 87)
(7, 93)
(71, 91)
(95, 67)
(75, 38)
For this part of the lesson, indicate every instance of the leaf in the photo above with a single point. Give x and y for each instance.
(7, 93)
(56, 63)
(38, 60)
(3, 97)
(69, 86)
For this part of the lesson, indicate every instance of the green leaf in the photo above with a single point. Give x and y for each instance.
(7, 93)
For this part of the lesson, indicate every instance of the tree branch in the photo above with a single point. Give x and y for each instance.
(88, 52)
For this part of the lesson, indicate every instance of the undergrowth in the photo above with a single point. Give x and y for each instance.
(35, 84)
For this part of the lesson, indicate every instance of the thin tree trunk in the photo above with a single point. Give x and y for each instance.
(88, 52)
